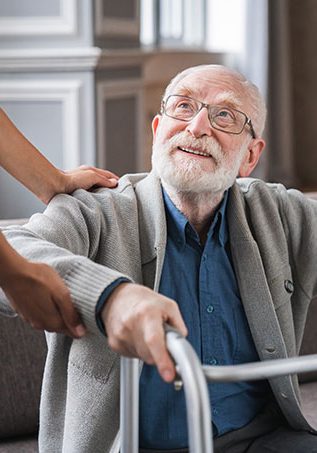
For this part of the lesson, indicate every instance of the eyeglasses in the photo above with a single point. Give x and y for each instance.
(225, 119)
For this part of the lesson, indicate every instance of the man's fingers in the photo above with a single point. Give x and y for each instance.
(173, 317)
(156, 344)
(134, 318)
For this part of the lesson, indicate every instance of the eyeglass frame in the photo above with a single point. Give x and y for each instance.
(248, 121)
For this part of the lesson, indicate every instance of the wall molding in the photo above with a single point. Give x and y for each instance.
(116, 90)
(88, 58)
(65, 24)
(70, 59)
(67, 92)
(111, 26)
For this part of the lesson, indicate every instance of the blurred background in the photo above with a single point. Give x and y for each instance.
(82, 79)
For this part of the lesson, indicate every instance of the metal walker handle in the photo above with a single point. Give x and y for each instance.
(194, 377)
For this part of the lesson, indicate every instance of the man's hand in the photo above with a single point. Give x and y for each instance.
(40, 297)
(134, 316)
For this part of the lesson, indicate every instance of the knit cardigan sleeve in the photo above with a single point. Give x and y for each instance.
(67, 237)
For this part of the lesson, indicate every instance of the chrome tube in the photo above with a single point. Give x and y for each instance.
(196, 393)
(129, 405)
(260, 370)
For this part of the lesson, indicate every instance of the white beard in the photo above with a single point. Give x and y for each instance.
(188, 175)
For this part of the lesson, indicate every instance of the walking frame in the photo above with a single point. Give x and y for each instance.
(193, 376)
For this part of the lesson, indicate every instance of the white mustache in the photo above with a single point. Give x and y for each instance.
(207, 145)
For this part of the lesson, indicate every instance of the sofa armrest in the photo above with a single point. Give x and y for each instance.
(22, 352)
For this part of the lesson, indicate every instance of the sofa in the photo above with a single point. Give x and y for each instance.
(23, 351)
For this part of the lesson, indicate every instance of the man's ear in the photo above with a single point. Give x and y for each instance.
(155, 122)
(252, 157)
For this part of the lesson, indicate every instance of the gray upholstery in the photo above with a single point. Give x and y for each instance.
(24, 445)
(22, 352)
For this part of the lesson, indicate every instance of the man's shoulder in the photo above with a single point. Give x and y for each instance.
(125, 189)
(254, 185)
(256, 188)
(132, 182)
(131, 189)
(258, 193)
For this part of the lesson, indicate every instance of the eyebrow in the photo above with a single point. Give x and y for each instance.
(228, 97)
(185, 92)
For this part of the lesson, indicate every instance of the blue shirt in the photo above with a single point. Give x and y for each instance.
(202, 281)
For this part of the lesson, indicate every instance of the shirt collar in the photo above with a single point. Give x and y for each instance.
(176, 221)
(219, 224)
(178, 225)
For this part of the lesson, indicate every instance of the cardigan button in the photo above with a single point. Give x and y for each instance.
(270, 349)
(289, 286)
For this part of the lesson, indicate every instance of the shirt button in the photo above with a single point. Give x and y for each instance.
(210, 309)
(204, 257)
(215, 411)
(213, 361)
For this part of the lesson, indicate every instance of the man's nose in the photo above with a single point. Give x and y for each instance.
(200, 124)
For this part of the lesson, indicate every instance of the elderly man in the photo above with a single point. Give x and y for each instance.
(188, 244)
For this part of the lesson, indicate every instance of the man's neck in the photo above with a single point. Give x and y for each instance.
(199, 209)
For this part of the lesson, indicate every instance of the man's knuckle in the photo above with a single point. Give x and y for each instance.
(113, 344)
(118, 331)
(141, 310)
(149, 360)
(153, 339)
(175, 305)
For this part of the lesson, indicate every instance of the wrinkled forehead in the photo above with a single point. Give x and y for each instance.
(213, 87)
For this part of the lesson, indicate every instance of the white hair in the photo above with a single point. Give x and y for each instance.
(248, 91)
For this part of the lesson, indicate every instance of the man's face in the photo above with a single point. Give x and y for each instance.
(193, 156)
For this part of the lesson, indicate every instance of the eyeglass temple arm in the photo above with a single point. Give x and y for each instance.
(249, 123)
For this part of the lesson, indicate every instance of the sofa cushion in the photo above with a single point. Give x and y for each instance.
(22, 352)
(21, 445)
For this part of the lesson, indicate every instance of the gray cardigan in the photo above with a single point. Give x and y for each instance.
(93, 238)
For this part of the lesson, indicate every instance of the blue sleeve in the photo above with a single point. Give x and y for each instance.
(103, 299)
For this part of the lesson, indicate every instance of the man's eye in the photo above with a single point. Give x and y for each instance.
(185, 106)
(225, 114)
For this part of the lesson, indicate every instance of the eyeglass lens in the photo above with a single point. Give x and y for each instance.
(223, 118)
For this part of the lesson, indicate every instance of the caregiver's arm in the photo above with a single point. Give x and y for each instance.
(37, 293)
(25, 163)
